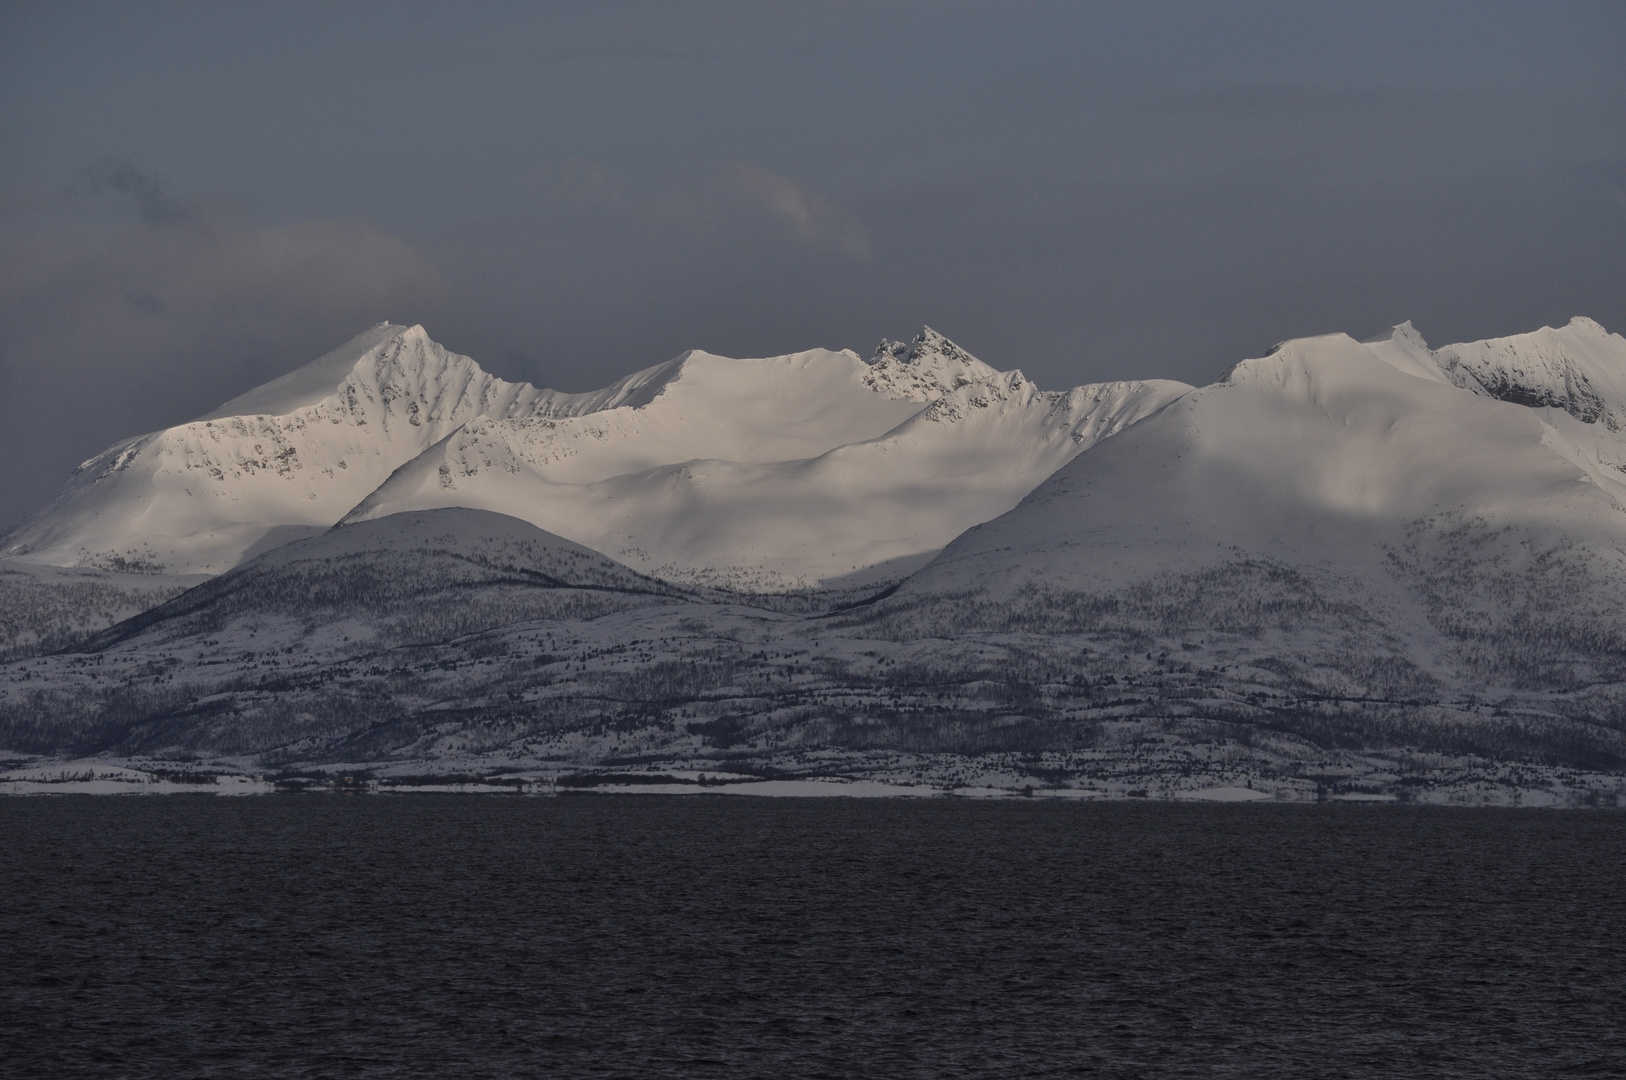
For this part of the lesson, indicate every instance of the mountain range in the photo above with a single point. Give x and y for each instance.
(1344, 569)
(788, 472)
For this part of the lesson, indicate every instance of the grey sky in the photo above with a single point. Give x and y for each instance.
(195, 198)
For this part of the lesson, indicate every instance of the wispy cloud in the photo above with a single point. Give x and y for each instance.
(146, 192)
(810, 220)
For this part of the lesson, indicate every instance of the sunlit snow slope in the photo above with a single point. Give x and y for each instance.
(277, 463)
(789, 472)
(781, 472)
(820, 468)
(1368, 463)
(1579, 368)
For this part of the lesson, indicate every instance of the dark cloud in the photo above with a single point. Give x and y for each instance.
(120, 175)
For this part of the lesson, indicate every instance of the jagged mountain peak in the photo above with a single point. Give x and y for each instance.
(925, 343)
(1403, 347)
(926, 349)
(300, 451)
(310, 383)
(393, 421)
(1401, 333)
(393, 368)
(270, 465)
(924, 368)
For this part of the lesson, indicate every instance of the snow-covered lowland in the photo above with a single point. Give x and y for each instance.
(1345, 570)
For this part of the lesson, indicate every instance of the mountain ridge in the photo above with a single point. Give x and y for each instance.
(196, 497)
(1339, 571)
(391, 421)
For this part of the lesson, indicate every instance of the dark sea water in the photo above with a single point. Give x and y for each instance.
(468, 936)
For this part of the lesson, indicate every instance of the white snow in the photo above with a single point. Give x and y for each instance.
(203, 496)
(819, 468)
(309, 385)
(1440, 556)
(738, 516)
(1323, 453)
(1580, 368)
(784, 472)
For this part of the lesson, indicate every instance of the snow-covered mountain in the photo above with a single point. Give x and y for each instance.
(1346, 569)
(1577, 368)
(1328, 446)
(282, 461)
(788, 472)
(1359, 485)
(820, 468)
(773, 473)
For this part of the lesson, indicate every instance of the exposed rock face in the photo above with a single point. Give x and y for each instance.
(1579, 367)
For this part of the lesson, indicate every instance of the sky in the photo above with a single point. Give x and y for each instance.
(195, 198)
